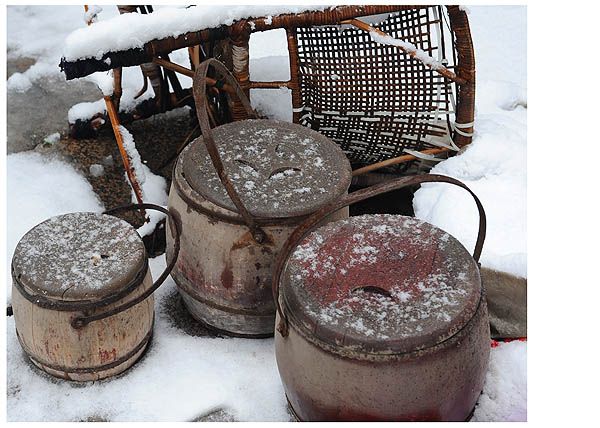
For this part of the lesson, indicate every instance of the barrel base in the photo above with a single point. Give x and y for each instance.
(229, 322)
(298, 419)
(92, 373)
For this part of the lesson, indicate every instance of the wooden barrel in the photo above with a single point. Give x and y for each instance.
(381, 318)
(82, 297)
(283, 172)
(240, 190)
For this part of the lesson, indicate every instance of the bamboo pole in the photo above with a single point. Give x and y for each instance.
(395, 161)
(114, 121)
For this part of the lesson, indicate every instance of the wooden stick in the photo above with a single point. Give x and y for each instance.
(442, 70)
(85, 6)
(270, 85)
(395, 161)
(114, 120)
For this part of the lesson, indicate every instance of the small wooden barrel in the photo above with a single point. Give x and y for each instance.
(281, 173)
(82, 295)
(382, 318)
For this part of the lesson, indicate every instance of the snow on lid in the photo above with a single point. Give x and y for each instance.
(133, 30)
(85, 254)
(279, 169)
(381, 278)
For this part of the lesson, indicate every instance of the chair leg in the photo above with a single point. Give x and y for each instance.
(114, 120)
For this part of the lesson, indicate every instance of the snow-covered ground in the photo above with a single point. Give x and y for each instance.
(237, 375)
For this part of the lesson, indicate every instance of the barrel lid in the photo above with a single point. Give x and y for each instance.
(279, 169)
(79, 256)
(381, 284)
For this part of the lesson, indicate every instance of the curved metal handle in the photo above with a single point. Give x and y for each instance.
(82, 321)
(201, 110)
(307, 226)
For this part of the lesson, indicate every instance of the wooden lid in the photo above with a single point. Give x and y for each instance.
(381, 284)
(279, 169)
(79, 256)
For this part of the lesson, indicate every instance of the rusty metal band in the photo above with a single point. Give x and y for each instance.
(221, 331)
(201, 110)
(284, 221)
(307, 226)
(96, 369)
(298, 419)
(81, 305)
(83, 320)
(186, 288)
(293, 412)
(342, 352)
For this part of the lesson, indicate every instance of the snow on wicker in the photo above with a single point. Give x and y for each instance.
(408, 47)
(133, 30)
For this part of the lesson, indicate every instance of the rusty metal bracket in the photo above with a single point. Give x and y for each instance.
(200, 83)
(82, 321)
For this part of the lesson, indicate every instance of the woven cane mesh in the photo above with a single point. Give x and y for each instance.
(372, 99)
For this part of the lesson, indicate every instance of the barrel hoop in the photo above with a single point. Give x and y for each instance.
(298, 419)
(82, 305)
(343, 352)
(97, 369)
(182, 283)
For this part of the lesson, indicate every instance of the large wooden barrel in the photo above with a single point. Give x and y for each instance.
(82, 297)
(240, 191)
(282, 172)
(382, 318)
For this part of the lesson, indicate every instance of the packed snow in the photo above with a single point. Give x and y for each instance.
(494, 165)
(133, 30)
(239, 376)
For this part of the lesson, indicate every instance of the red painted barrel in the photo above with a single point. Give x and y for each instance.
(387, 321)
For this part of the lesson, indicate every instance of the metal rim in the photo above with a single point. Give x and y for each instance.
(85, 370)
(342, 352)
(81, 305)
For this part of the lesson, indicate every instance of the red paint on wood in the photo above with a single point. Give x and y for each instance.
(106, 356)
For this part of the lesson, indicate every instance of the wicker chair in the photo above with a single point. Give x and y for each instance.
(383, 104)
(377, 101)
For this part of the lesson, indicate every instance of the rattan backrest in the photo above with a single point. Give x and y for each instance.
(374, 100)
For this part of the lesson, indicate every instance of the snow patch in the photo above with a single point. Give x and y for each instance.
(39, 188)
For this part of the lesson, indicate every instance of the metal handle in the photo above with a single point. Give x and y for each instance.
(82, 321)
(201, 110)
(307, 226)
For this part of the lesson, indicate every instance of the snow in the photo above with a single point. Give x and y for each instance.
(39, 188)
(504, 396)
(240, 375)
(91, 14)
(96, 170)
(52, 138)
(133, 30)
(153, 187)
(494, 166)
(39, 32)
